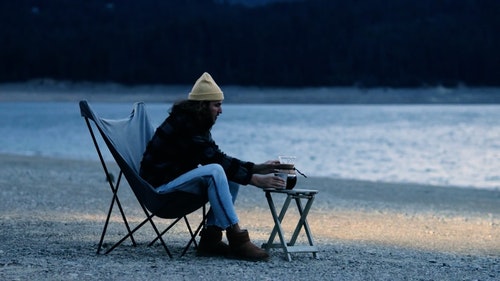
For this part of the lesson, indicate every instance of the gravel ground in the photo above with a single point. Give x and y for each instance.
(52, 212)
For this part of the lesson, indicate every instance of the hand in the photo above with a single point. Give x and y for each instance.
(266, 167)
(267, 181)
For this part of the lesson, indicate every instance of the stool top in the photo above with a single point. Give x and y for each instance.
(291, 191)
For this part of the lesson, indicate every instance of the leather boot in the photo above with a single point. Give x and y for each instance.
(242, 248)
(211, 242)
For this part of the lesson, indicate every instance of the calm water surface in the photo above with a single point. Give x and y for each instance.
(432, 144)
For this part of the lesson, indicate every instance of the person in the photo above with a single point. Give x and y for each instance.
(182, 149)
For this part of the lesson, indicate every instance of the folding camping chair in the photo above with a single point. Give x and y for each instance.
(127, 139)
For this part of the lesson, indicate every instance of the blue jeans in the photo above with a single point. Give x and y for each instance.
(221, 193)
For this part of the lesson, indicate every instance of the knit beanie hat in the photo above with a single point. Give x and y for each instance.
(205, 89)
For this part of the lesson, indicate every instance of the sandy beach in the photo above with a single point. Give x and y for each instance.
(52, 212)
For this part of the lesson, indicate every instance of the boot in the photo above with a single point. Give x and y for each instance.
(211, 243)
(242, 248)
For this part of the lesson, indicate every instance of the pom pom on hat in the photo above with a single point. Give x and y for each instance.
(205, 89)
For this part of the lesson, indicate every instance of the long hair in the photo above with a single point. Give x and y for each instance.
(199, 110)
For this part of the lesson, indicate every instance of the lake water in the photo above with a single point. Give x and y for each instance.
(449, 145)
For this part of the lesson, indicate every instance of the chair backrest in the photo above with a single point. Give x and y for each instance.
(127, 139)
(128, 136)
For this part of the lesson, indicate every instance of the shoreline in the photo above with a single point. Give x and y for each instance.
(52, 212)
(43, 90)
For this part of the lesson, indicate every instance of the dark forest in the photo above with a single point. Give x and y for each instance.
(364, 43)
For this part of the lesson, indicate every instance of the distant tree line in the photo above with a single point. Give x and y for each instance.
(398, 43)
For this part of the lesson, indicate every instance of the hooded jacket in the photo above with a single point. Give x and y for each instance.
(179, 145)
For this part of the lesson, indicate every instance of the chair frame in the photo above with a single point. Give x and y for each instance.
(149, 215)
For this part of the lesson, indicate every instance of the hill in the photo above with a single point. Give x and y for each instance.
(312, 43)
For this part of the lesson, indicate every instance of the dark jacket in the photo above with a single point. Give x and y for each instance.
(180, 145)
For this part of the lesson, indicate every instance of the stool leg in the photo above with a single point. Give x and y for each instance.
(303, 222)
(277, 225)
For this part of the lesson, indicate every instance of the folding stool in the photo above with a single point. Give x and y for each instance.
(289, 247)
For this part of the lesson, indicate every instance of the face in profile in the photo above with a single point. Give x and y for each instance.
(215, 108)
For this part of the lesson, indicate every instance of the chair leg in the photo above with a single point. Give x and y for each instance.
(198, 229)
(105, 228)
(193, 234)
(114, 190)
(115, 194)
(158, 234)
(129, 231)
(129, 235)
(164, 231)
